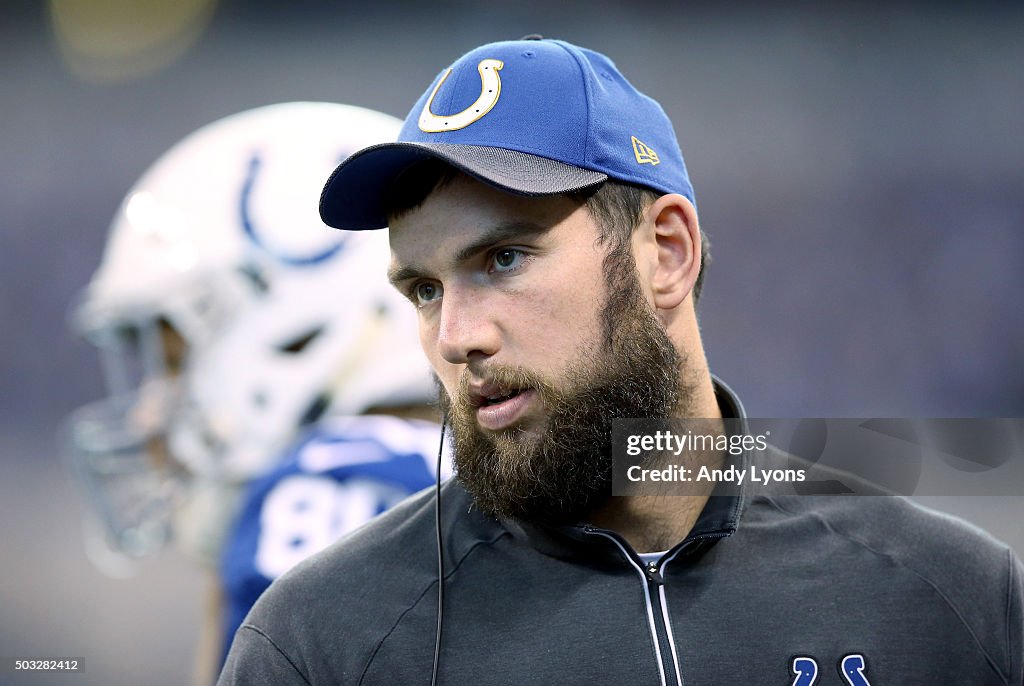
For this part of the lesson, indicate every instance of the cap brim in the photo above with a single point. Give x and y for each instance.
(353, 197)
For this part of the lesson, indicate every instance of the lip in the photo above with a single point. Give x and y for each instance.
(504, 414)
(479, 393)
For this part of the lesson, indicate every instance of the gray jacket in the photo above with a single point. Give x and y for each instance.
(807, 591)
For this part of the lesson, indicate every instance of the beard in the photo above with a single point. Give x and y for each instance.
(564, 471)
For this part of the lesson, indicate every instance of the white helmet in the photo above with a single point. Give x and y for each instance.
(220, 246)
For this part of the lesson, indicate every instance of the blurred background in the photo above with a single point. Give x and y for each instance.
(859, 171)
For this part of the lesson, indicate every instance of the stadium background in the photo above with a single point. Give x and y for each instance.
(859, 171)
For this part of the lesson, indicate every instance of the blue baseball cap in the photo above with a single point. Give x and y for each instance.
(533, 117)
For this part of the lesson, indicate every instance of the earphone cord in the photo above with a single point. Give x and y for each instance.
(440, 557)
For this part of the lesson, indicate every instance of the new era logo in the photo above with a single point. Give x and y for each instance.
(644, 155)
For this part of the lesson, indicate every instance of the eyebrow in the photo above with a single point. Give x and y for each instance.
(491, 237)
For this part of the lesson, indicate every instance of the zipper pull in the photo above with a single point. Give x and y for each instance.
(653, 573)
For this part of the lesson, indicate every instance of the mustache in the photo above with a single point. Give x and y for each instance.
(508, 377)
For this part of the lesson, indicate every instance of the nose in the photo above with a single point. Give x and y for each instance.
(467, 330)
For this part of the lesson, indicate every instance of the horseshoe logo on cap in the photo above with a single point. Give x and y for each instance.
(490, 89)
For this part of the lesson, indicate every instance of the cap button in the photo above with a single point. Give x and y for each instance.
(532, 36)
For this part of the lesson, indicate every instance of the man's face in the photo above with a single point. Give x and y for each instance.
(538, 338)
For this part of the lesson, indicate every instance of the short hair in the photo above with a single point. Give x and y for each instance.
(616, 206)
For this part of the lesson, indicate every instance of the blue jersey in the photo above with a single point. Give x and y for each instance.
(341, 474)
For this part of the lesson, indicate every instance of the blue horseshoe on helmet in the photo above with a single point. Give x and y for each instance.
(250, 230)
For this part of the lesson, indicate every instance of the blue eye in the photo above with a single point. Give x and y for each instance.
(508, 259)
(426, 292)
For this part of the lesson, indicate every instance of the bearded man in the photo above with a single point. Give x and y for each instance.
(544, 226)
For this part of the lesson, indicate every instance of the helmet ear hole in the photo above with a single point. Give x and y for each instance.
(316, 409)
(255, 277)
(297, 345)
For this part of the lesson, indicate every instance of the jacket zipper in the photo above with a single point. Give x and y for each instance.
(664, 600)
(650, 583)
(653, 581)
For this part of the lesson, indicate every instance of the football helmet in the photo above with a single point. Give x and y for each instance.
(228, 316)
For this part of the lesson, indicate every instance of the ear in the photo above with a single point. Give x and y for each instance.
(677, 236)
